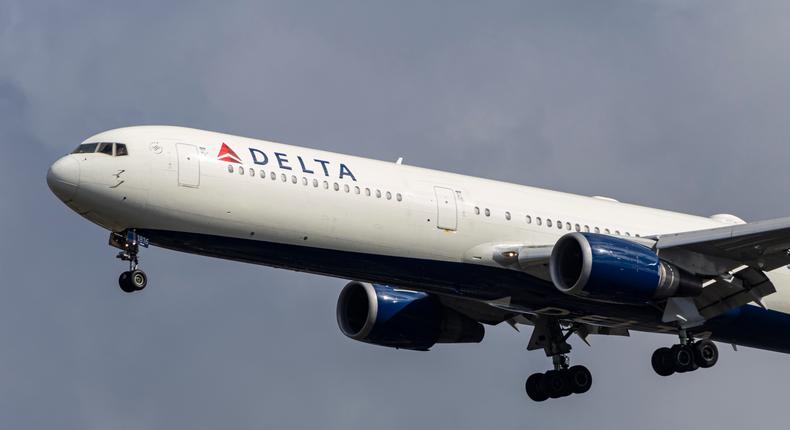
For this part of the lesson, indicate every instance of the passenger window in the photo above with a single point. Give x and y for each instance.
(597, 230)
(608, 231)
(315, 183)
(548, 222)
(367, 192)
(346, 188)
(326, 185)
(304, 181)
(230, 168)
(477, 210)
(263, 174)
(336, 186)
(529, 219)
(577, 227)
(538, 222)
(378, 194)
(356, 190)
(568, 226)
(628, 234)
(488, 212)
(252, 172)
(120, 150)
(294, 179)
(105, 148)
(284, 177)
(617, 232)
(86, 148)
(241, 170)
(398, 197)
(507, 216)
(389, 195)
(586, 228)
(273, 176)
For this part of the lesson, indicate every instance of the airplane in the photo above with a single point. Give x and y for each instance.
(433, 257)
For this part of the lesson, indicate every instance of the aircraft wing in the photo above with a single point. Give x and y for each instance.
(762, 245)
(733, 258)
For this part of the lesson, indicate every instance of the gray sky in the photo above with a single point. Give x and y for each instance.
(675, 104)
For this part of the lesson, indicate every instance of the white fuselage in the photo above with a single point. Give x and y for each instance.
(173, 179)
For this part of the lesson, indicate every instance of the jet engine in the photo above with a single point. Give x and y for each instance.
(387, 316)
(603, 267)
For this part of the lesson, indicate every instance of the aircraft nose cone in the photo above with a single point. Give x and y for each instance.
(63, 178)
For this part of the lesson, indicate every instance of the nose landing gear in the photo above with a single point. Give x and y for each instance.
(133, 279)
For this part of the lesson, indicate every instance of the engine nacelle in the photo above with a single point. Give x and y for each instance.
(386, 316)
(603, 267)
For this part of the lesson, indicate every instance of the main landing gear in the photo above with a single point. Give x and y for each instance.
(686, 356)
(563, 380)
(133, 279)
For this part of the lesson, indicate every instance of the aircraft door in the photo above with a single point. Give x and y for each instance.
(188, 165)
(447, 210)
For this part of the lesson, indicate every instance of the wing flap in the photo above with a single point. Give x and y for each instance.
(748, 285)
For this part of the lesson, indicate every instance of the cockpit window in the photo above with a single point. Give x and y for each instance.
(105, 148)
(86, 148)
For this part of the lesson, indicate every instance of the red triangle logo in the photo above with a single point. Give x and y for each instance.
(227, 154)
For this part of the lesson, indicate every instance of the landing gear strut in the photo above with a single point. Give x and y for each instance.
(686, 356)
(564, 379)
(134, 279)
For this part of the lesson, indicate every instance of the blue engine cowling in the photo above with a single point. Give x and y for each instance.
(382, 315)
(609, 268)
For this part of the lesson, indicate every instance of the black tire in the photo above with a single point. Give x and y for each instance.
(124, 281)
(682, 357)
(579, 379)
(706, 354)
(138, 279)
(662, 363)
(555, 384)
(534, 387)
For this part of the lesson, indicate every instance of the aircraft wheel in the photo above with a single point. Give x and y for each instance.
(706, 354)
(682, 358)
(138, 279)
(534, 387)
(555, 384)
(662, 363)
(579, 379)
(125, 282)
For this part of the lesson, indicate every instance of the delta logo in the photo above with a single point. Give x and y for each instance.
(315, 166)
(228, 155)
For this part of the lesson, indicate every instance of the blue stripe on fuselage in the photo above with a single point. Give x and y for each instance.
(747, 326)
(753, 326)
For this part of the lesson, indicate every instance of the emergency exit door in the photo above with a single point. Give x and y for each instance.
(188, 165)
(446, 207)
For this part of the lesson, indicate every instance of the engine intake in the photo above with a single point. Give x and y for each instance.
(609, 268)
(386, 316)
